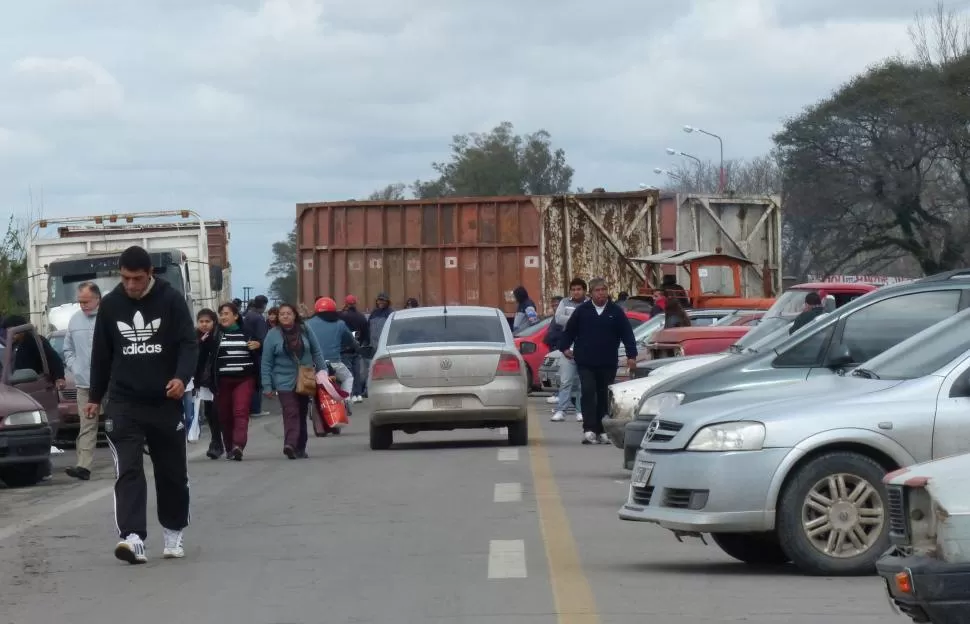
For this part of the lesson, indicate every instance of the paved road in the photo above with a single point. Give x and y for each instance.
(450, 527)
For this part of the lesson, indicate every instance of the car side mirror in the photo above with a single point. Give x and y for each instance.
(840, 357)
(215, 277)
(23, 375)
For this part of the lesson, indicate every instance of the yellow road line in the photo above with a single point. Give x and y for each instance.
(571, 590)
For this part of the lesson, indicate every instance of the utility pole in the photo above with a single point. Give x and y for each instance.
(246, 291)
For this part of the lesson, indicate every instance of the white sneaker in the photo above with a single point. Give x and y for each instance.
(558, 417)
(131, 549)
(552, 400)
(604, 439)
(173, 544)
(579, 417)
(589, 438)
(358, 399)
(56, 451)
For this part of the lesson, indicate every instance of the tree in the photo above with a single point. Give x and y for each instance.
(13, 269)
(499, 163)
(283, 269)
(874, 158)
(391, 192)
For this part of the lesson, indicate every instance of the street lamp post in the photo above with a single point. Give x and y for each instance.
(673, 175)
(674, 152)
(722, 181)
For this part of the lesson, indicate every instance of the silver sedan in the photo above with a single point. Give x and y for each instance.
(442, 368)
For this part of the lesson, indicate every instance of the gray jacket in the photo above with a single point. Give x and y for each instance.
(565, 310)
(77, 347)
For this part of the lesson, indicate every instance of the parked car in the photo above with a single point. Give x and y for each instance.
(529, 342)
(549, 370)
(681, 341)
(795, 473)
(830, 345)
(438, 369)
(927, 570)
(28, 403)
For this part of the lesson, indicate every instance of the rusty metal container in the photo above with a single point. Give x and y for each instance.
(474, 250)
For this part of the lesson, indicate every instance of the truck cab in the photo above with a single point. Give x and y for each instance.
(66, 274)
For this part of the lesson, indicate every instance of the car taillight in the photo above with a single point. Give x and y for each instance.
(508, 364)
(383, 369)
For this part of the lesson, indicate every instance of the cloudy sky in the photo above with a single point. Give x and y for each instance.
(241, 108)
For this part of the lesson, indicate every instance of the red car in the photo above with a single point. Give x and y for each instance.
(529, 341)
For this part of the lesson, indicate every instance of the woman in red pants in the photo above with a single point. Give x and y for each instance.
(235, 380)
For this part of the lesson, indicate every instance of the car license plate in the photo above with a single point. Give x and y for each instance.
(641, 474)
(446, 402)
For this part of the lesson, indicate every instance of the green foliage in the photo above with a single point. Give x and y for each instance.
(499, 163)
(283, 269)
(13, 271)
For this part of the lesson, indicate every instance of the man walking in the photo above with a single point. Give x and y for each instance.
(77, 357)
(568, 376)
(358, 325)
(144, 353)
(593, 333)
(254, 322)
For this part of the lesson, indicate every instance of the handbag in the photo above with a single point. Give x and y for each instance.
(306, 376)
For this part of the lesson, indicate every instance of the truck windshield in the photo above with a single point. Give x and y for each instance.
(62, 289)
(789, 305)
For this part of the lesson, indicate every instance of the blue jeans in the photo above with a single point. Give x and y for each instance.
(569, 385)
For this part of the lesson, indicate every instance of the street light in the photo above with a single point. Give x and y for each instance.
(673, 175)
(674, 152)
(648, 187)
(722, 182)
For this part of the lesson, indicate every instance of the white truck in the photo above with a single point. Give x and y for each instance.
(190, 253)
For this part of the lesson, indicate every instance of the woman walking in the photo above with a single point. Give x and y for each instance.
(235, 366)
(288, 348)
(204, 381)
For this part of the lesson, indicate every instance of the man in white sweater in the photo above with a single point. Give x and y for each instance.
(77, 359)
(568, 378)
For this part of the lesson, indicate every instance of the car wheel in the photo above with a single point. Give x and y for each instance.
(753, 548)
(519, 433)
(832, 517)
(381, 437)
(24, 475)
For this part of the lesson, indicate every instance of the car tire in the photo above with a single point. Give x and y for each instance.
(519, 432)
(752, 548)
(24, 475)
(530, 380)
(847, 471)
(381, 437)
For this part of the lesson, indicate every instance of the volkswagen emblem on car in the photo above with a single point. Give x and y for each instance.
(652, 429)
(445, 364)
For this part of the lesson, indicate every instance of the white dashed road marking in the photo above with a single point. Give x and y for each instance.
(508, 454)
(506, 559)
(508, 492)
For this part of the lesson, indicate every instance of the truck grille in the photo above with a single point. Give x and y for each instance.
(642, 495)
(898, 526)
(549, 361)
(665, 433)
(69, 394)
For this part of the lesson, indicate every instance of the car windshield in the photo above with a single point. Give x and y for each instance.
(444, 328)
(922, 354)
(533, 329)
(789, 305)
(62, 289)
(765, 335)
(644, 331)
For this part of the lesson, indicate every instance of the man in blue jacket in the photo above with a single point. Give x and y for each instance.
(593, 333)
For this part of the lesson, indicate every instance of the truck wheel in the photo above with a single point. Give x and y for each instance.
(24, 475)
(753, 548)
(519, 432)
(832, 516)
(381, 437)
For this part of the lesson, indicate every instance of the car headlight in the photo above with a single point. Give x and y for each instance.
(23, 419)
(656, 404)
(736, 436)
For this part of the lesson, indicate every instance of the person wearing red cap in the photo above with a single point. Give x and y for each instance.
(333, 336)
(357, 323)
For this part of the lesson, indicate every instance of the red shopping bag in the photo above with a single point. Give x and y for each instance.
(332, 411)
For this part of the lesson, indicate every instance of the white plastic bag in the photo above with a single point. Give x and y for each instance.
(194, 428)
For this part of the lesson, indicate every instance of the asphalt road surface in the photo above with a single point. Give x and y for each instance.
(445, 527)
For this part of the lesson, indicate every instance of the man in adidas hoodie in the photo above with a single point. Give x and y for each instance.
(143, 355)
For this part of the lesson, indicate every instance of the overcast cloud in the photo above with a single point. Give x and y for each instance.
(241, 108)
